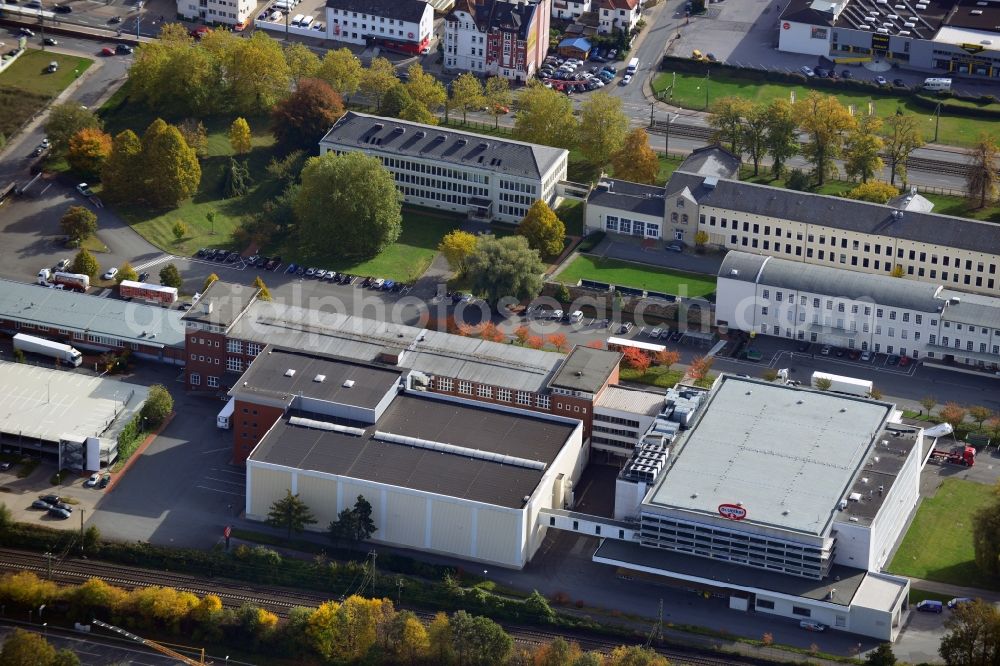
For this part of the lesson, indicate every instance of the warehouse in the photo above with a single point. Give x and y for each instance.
(65, 416)
(442, 474)
(797, 496)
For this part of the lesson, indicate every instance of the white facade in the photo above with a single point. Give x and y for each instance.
(361, 27)
(569, 9)
(803, 38)
(225, 12)
(617, 15)
(464, 45)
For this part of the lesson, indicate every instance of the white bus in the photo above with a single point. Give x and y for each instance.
(937, 84)
(633, 65)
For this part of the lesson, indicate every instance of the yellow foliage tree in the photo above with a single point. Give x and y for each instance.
(456, 246)
(265, 293)
(439, 636)
(636, 161)
(240, 137)
(26, 589)
(873, 191)
(543, 229)
(88, 149)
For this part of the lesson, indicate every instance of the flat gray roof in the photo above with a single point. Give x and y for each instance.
(871, 484)
(845, 580)
(428, 418)
(269, 375)
(149, 325)
(586, 369)
(627, 196)
(841, 283)
(447, 146)
(221, 304)
(429, 352)
(47, 404)
(630, 400)
(787, 454)
(971, 308)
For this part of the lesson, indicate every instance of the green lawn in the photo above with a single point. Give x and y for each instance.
(689, 92)
(938, 545)
(625, 274)
(656, 375)
(25, 86)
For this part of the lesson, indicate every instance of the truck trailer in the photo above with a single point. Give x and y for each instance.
(225, 417)
(57, 350)
(75, 281)
(841, 384)
(962, 454)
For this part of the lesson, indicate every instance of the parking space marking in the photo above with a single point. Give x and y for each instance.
(224, 492)
(224, 448)
(232, 483)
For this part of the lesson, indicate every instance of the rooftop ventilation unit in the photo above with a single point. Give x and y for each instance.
(466, 452)
(290, 372)
(319, 378)
(325, 425)
(348, 383)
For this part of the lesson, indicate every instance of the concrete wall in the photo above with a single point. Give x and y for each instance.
(803, 38)
(735, 304)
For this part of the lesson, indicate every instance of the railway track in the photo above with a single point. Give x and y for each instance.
(280, 600)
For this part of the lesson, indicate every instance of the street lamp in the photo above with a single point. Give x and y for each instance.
(671, 117)
(937, 120)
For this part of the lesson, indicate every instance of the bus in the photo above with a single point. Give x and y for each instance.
(148, 292)
(633, 66)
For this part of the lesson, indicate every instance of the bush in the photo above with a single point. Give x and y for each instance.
(797, 180)
(158, 405)
(590, 241)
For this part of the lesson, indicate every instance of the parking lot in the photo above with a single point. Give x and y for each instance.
(21, 494)
(572, 75)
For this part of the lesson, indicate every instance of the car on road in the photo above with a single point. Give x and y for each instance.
(6, 465)
(866, 356)
(115, 19)
(143, 277)
(48, 41)
(625, 327)
(84, 190)
(110, 273)
(892, 360)
(807, 70)
(825, 351)
(39, 504)
(812, 625)
(880, 80)
(124, 49)
(846, 74)
(675, 246)
(656, 332)
(899, 83)
(930, 606)
(63, 9)
(107, 51)
(959, 601)
(51, 499)
(26, 32)
(39, 149)
(92, 480)
(904, 361)
(627, 79)
(105, 480)
(61, 514)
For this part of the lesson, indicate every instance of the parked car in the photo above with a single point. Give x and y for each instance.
(92, 480)
(655, 333)
(124, 49)
(899, 83)
(675, 246)
(854, 354)
(201, 252)
(825, 351)
(812, 625)
(6, 465)
(846, 74)
(143, 277)
(904, 361)
(310, 272)
(83, 188)
(107, 51)
(105, 480)
(377, 283)
(866, 356)
(803, 346)
(62, 265)
(892, 360)
(388, 285)
(39, 504)
(291, 269)
(958, 601)
(839, 352)
(807, 70)
(51, 499)
(880, 80)
(930, 606)
(56, 512)
(63, 9)
(110, 273)
(625, 327)
(821, 73)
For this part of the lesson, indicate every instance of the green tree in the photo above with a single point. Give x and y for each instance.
(175, 76)
(179, 230)
(825, 121)
(439, 635)
(78, 223)
(364, 195)
(479, 640)
(881, 656)
(365, 526)
(873, 191)
(603, 128)
(756, 123)
(395, 100)
(345, 528)
(425, 88)
(257, 74)
(780, 139)
(208, 281)
(342, 70)
(456, 246)
(973, 637)
(64, 121)
(986, 536)
(6, 518)
(981, 177)
(290, 513)
(496, 94)
(85, 264)
(88, 150)
(862, 149)
(26, 648)
(545, 116)
(635, 655)
(416, 112)
(302, 62)
(901, 136)
(378, 79)
(237, 179)
(91, 539)
(126, 272)
(928, 402)
(170, 167)
(635, 161)
(171, 277)
(240, 138)
(301, 119)
(502, 267)
(265, 293)
(822, 384)
(466, 94)
(118, 174)
(538, 606)
(159, 403)
(726, 118)
(543, 229)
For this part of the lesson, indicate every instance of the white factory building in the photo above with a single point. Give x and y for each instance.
(485, 177)
(788, 501)
(842, 308)
(443, 474)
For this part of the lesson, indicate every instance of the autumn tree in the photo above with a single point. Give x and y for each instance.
(973, 635)
(635, 161)
(825, 121)
(636, 359)
(558, 652)
(415, 112)
(88, 149)
(179, 230)
(635, 655)
(118, 174)
(521, 334)
(240, 139)
(863, 148)
(409, 638)
(559, 342)
(65, 121)
(456, 246)
(78, 223)
(535, 342)
(256, 72)
(489, 331)
(302, 62)
(290, 513)
(301, 119)
(26, 648)
(195, 136)
(928, 402)
(176, 76)
(264, 294)
(170, 168)
(126, 272)
(873, 191)
(504, 267)
(700, 366)
(901, 136)
(466, 94)
(667, 357)
(424, 88)
(822, 383)
(212, 277)
(603, 127)
(85, 264)
(496, 94)
(378, 79)
(545, 116)
(780, 139)
(981, 177)
(441, 649)
(756, 123)
(543, 229)
(953, 414)
(726, 118)
(979, 414)
(342, 70)
(365, 197)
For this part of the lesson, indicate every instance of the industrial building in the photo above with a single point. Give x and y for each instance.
(443, 474)
(786, 500)
(487, 178)
(940, 37)
(833, 306)
(71, 418)
(91, 323)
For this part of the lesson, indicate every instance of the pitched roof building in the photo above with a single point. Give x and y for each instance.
(507, 38)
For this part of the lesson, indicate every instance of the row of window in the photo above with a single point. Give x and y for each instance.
(434, 170)
(634, 227)
(366, 17)
(523, 398)
(210, 381)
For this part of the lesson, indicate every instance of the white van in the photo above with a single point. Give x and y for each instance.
(633, 65)
(306, 22)
(937, 84)
(576, 317)
(298, 19)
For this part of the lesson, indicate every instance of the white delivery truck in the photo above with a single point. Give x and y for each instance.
(937, 84)
(225, 418)
(841, 384)
(50, 348)
(633, 66)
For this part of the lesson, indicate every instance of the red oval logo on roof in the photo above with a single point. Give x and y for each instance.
(786, 26)
(732, 511)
